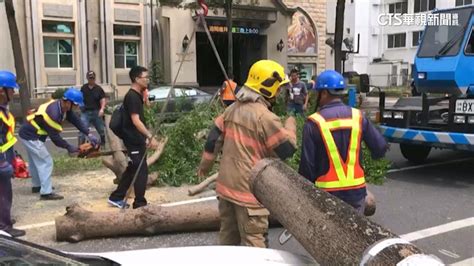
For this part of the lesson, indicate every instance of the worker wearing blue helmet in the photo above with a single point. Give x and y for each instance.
(47, 122)
(331, 154)
(7, 140)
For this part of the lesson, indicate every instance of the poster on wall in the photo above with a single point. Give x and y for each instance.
(301, 36)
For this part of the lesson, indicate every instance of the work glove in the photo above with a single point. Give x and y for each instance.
(93, 140)
(73, 150)
(6, 170)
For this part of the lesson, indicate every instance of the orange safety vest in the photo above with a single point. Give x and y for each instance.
(341, 175)
(8, 120)
(228, 92)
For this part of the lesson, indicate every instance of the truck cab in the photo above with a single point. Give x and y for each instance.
(443, 116)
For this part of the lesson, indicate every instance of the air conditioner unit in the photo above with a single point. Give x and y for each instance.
(374, 31)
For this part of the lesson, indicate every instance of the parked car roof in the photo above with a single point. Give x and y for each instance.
(21, 251)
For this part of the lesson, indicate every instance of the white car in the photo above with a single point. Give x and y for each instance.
(19, 252)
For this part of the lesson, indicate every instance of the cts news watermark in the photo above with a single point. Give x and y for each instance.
(437, 19)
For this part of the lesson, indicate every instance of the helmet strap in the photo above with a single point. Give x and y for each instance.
(6, 93)
(318, 99)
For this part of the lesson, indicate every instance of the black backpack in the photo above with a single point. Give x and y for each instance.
(116, 121)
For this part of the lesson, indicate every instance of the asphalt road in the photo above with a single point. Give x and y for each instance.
(430, 205)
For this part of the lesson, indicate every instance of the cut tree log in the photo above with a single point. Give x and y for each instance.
(328, 228)
(79, 224)
(150, 160)
(202, 186)
(118, 162)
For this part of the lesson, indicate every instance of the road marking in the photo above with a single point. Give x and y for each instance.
(31, 226)
(466, 262)
(440, 229)
(189, 201)
(449, 253)
(429, 165)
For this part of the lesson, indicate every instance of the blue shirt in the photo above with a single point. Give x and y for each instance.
(28, 132)
(314, 160)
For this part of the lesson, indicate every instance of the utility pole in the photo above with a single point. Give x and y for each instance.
(230, 46)
(338, 34)
(18, 56)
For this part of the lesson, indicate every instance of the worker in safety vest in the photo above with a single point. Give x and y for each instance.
(250, 132)
(7, 154)
(331, 150)
(228, 91)
(47, 121)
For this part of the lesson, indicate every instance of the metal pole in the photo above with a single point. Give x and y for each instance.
(230, 49)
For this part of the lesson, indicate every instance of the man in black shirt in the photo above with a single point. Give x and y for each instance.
(136, 138)
(94, 105)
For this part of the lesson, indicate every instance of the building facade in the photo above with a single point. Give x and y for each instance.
(63, 39)
(306, 47)
(386, 50)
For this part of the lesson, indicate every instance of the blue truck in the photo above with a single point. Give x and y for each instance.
(443, 115)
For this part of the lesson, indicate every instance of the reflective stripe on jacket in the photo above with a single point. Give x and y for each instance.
(42, 112)
(341, 175)
(8, 120)
(250, 132)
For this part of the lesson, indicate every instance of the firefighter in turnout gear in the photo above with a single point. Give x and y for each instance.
(7, 154)
(247, 132)
(331, 150)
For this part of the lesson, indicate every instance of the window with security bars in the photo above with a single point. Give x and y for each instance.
(58, 44)
(396, 40)
(400, 7)
(463, 2)
(424, 5)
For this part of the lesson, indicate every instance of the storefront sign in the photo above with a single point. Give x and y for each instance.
(239, 30)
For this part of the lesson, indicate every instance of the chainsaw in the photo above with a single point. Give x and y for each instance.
(87, 151)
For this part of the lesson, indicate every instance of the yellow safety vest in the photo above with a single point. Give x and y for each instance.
(42, 112)
(341, 175)
(10, 138)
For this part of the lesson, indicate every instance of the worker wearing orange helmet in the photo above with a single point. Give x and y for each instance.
(249, 132)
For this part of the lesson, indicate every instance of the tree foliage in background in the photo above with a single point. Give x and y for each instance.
(183, 152)
(156, 73)
(58, 93)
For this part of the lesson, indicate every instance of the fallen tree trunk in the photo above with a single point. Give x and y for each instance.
(328, 228)
(118, 162)
(79, 224)
(202, 186)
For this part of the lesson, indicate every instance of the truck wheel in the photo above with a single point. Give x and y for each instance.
(415, 153)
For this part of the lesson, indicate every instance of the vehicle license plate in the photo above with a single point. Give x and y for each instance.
(465, 106)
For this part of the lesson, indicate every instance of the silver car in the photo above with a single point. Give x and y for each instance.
(183, 99)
